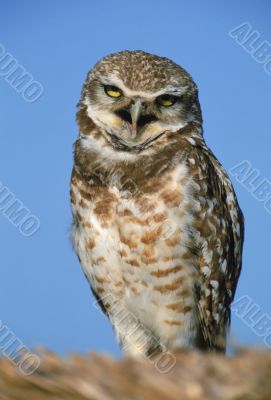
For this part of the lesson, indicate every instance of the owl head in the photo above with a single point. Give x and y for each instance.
(135, 97)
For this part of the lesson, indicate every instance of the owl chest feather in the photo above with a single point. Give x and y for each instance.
(133, 244)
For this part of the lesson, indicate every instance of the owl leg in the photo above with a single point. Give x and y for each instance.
(139, 343)
(134, 339)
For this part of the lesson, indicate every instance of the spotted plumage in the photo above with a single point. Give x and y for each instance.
(156, 223)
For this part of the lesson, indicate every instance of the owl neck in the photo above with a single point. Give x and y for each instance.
(96, 158)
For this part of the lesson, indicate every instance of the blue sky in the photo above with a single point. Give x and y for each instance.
(44, 297)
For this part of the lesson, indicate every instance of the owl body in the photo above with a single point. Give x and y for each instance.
(157, 227)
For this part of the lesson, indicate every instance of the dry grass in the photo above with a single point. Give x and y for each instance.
(247, 376)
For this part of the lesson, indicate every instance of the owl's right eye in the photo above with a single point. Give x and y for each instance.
(112, 91)
(166, 100)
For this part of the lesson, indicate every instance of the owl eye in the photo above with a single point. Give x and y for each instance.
(166, 100)
(112, 91)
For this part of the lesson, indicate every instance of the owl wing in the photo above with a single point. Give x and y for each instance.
(218, 245)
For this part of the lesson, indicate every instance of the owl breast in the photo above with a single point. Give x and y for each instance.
(134, 244)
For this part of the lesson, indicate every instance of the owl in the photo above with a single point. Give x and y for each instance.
(156, 224)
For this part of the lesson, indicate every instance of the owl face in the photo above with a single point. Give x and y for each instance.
(135, 97)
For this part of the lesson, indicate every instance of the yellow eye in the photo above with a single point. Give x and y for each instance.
(112, 91)
(166, 100)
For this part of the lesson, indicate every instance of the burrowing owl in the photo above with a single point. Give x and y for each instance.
(156, 223)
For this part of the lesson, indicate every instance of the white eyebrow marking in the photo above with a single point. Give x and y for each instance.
(115, 81)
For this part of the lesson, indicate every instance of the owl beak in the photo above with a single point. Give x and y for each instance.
(135, 111)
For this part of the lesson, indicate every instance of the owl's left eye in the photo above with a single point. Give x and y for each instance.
(166, 100)
(112, 91)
